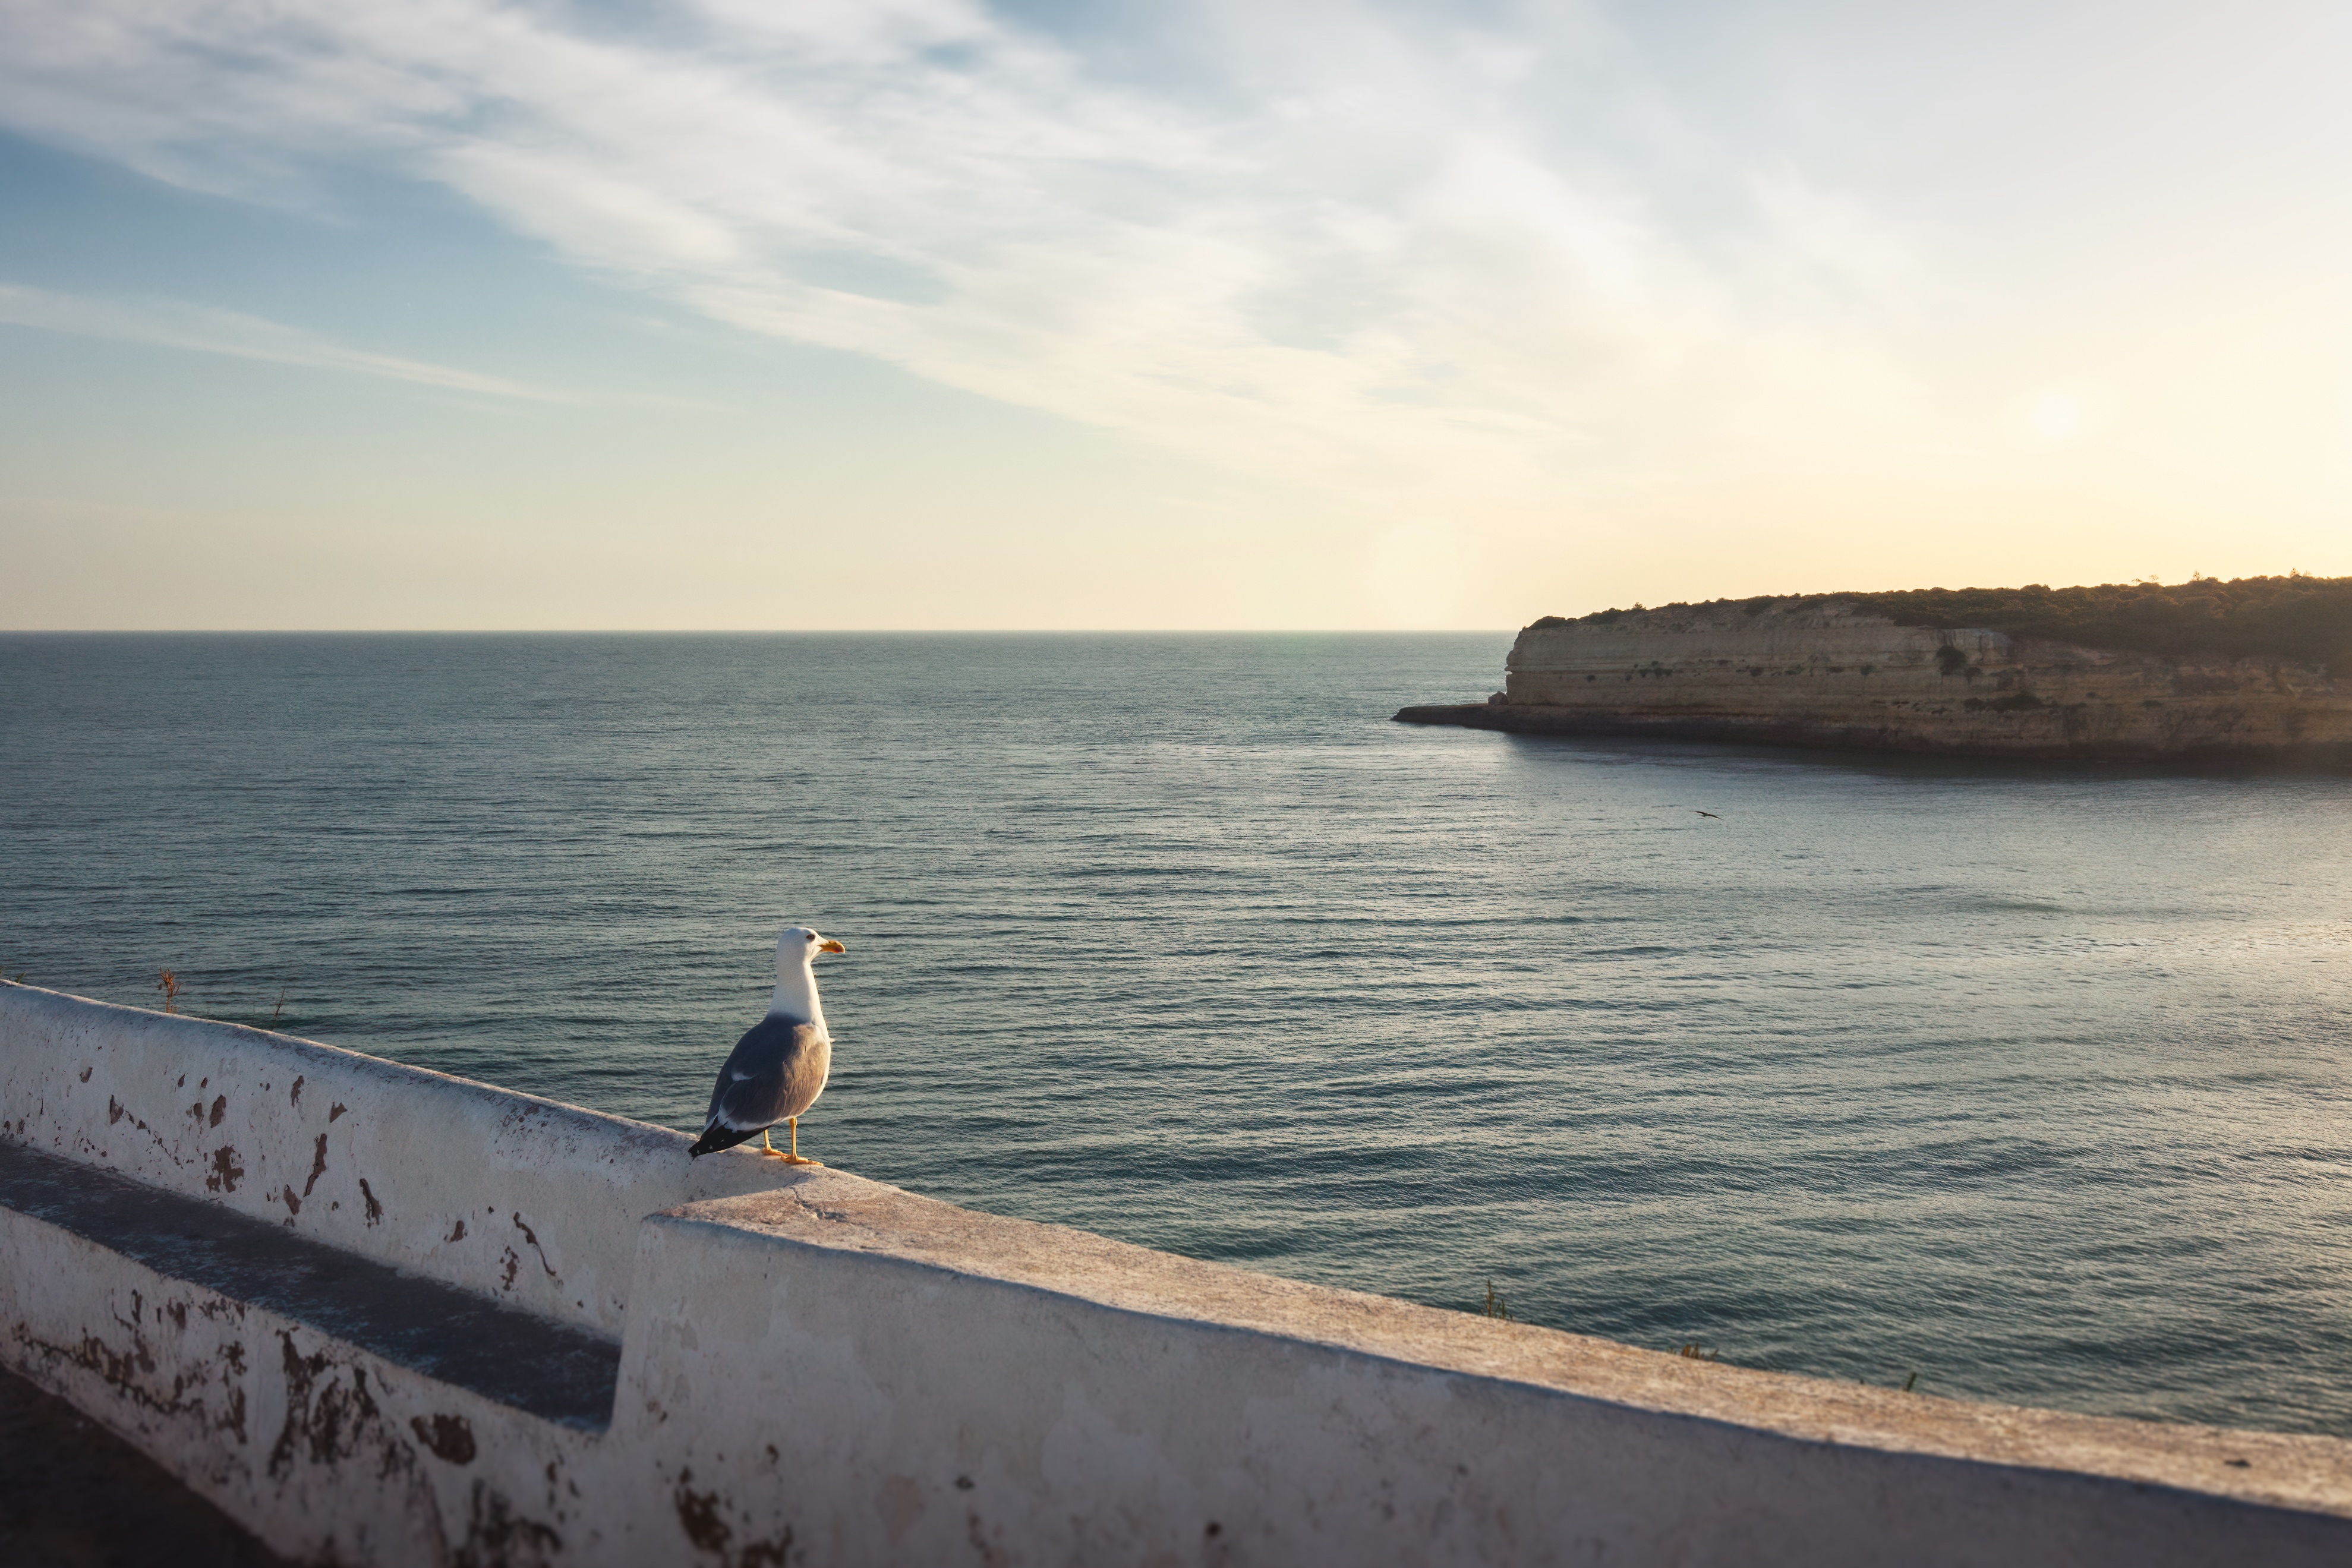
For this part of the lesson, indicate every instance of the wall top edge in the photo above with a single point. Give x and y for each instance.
(318, 1055)
(835, 1211)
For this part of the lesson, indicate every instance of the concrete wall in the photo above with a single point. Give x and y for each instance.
(526, 1201)
(816, 1368)
(326, 1452)
(1822, 672)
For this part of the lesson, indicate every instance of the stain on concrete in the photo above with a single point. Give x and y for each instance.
(448, 1438)
(375, 1210)
(991, 1552)
(336, 1113)
(533, 1241)
(220, 1109)
(328, 1415)
(697, 1515)
(701, 1515)
(318, 1164)
(293, 1204)
(119, 1370)
(226, 1172)
(457, 1232)
(499, 1537)
(297, 1096)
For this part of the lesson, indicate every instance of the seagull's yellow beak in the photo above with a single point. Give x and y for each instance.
(830, 946)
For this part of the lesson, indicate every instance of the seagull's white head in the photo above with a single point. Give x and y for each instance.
(797, 948)
(796, 952)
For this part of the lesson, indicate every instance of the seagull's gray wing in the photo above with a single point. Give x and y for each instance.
(776, 1071)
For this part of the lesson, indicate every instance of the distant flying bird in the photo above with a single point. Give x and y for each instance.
(778, 1069)
(1706, 814)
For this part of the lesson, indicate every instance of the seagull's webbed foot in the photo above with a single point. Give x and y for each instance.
(794, 1158)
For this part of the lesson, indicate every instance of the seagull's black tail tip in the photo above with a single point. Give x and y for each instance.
(716, 1137)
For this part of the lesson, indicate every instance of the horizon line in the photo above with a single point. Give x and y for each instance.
(749, 631)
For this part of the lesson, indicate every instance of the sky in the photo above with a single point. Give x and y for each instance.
(930, 314)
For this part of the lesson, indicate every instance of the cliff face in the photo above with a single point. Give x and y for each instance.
(1822, 673)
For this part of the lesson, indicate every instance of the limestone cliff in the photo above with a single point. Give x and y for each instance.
(1831, 672)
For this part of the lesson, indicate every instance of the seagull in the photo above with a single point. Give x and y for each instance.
(778, 1069)
(1706, 813)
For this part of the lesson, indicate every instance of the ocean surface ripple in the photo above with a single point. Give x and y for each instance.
(2025, 1079)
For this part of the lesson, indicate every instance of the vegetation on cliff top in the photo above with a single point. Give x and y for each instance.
(2298, 618)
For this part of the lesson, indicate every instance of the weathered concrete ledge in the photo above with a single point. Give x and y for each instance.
(725, 1363)
(1829, 674)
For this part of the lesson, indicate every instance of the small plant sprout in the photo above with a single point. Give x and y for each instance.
(168, 982)
(1496, 1307)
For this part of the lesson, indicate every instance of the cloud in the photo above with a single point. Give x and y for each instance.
(175, 324)
(1411, 261)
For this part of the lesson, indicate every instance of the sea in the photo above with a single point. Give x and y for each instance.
(2019, 1082)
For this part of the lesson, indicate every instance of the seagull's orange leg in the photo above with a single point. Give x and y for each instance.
(797, 1158)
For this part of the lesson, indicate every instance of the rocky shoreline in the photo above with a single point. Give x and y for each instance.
(1829, 673)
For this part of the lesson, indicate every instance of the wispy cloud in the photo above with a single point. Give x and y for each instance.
(1397, 257)
(175, 324)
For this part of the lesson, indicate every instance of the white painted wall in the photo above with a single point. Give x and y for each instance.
(324, 1451)
(526, 1201)
(821, 1369)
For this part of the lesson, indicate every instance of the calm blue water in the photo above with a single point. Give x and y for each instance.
(2030, 1080)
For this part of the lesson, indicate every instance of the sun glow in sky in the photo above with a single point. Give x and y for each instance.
(928, 313)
